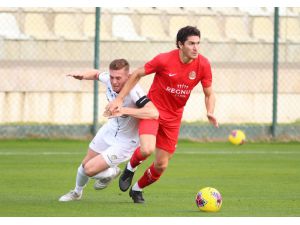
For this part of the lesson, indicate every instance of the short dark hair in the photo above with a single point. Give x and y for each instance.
(185, 32)
(118, 64)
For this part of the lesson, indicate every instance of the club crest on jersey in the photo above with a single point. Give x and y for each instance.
(112, 157)
(192, 75)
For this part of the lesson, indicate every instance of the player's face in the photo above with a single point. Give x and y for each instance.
(190, 47)
(118, 78)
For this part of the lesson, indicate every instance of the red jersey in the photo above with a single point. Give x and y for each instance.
(174, 81)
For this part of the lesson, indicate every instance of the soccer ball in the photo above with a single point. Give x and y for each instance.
(209, 200)
(237, 137)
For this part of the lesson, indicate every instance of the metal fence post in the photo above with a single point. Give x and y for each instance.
(275, 71)
(96, 66)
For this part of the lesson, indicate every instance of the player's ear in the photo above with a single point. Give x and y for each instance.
(180, 44)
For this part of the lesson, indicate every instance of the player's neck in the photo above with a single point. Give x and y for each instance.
(184, 59)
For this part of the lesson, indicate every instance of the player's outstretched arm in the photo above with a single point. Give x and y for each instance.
(149, 111)
(87, 75)
(132, 81)
(210, 101)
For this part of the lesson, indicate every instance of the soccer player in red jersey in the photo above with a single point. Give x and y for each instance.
(176, 74)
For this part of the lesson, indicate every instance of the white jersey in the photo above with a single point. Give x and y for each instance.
(124, 128)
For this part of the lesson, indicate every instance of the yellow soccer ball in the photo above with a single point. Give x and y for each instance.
(237, 137)
(209, 200)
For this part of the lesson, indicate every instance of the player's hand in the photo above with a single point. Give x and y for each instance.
(116, 113)
(113, 106)
(212, 120)
(75, 75)
(107, 113)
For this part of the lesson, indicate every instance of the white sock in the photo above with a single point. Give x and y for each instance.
(111, 171)
(130, 168)
(81, 179)
(136, 187)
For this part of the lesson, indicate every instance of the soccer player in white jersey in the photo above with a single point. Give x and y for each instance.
(116, 140)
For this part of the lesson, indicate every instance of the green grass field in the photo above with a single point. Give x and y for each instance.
(256, 179)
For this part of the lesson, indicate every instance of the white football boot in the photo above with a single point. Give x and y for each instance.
(102, 183)
(71, 196)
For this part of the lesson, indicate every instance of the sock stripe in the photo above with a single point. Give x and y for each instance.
(150, 176)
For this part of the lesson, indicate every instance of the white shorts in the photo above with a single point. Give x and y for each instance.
(114, 151)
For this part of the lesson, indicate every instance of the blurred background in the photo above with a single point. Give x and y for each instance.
(38, 46)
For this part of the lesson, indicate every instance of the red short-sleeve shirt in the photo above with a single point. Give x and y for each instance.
(174, 81)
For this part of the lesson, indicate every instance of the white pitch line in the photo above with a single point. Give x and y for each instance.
(239, 153)
(179, 152)
(41, 153)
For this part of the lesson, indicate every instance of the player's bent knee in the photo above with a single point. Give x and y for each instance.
(160, 166)
(89, 171)
(147, 150)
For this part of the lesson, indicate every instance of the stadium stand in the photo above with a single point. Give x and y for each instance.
(262, 28)
(227, 11)
(254, 11)
(123, 28)
(36, 10)
(146, 10)
(296, 10)
(283, 11)
(210, 27)
(238, 40)
(237, 28)
(88, 10)
(70, 10)
(89, 25)
(290, 29)
(69, 26)
(154, 24)
(172, 10)
(120, 10)
(9, 9)
(105, 26)
(200, 11)
(9, 27)
(158, 31)
(38, 26)
(175, 23)
(290, 11)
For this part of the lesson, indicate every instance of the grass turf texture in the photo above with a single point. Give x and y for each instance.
(256, 179)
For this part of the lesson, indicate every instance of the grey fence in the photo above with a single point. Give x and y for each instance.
(38, 46)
